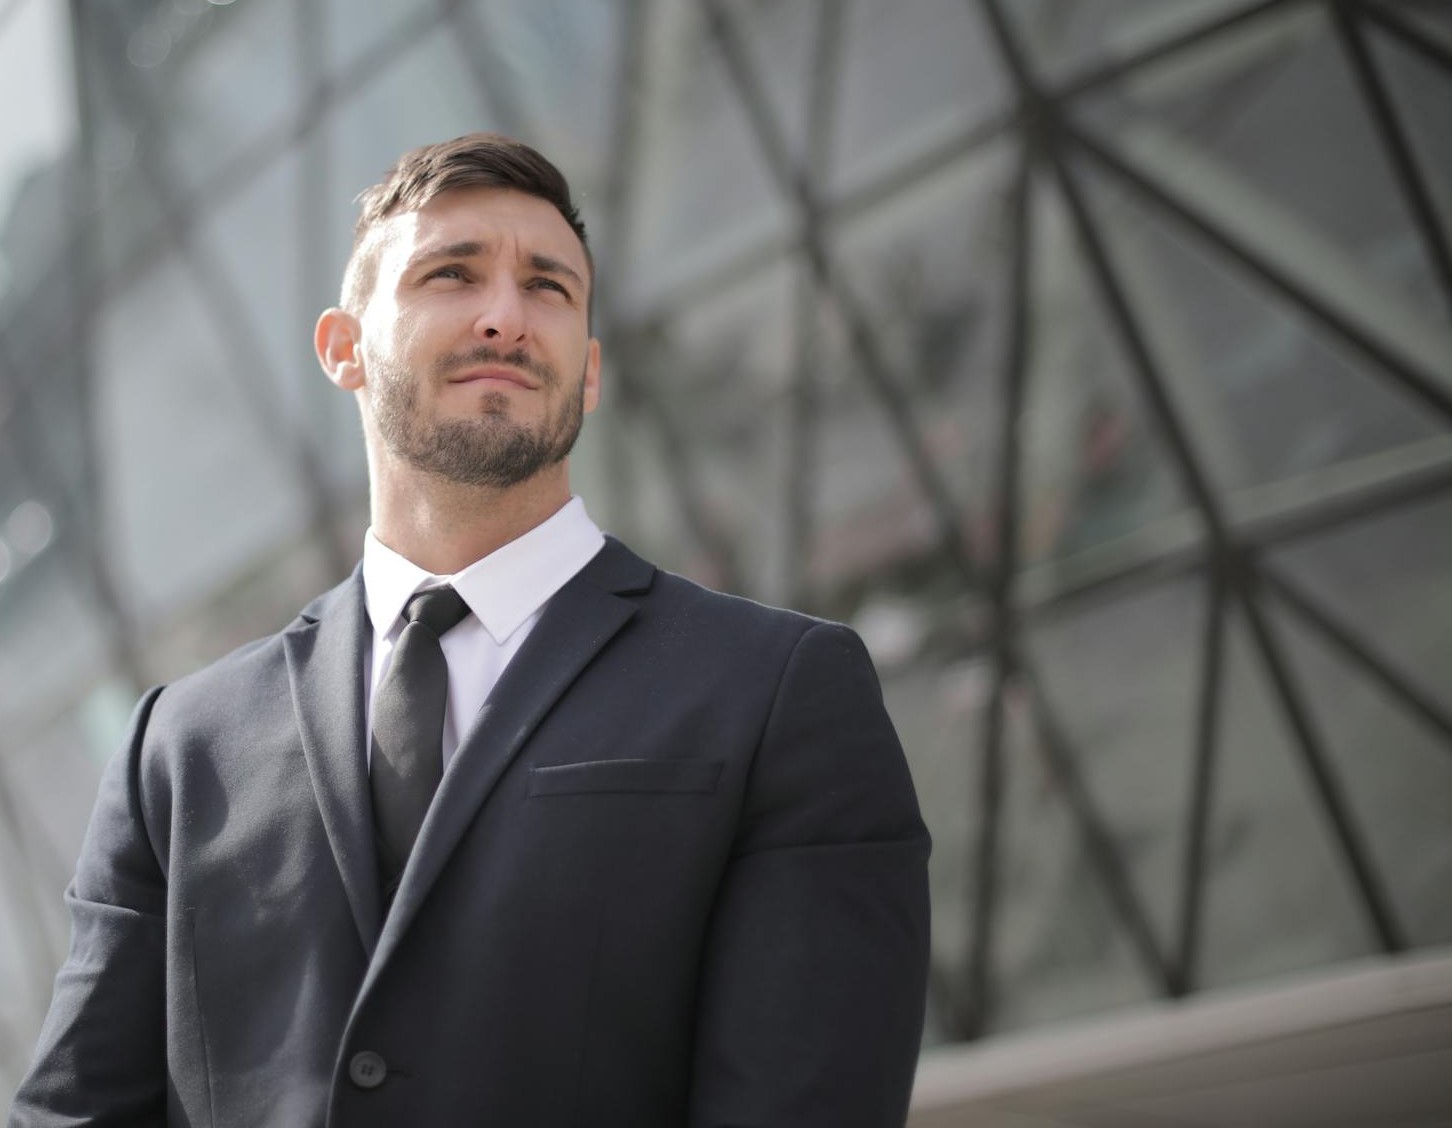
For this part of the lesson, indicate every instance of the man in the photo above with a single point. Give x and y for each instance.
(616, 851)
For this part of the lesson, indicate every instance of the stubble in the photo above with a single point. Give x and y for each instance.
(485, 449)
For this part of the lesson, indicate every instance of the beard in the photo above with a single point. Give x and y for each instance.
(490, 449)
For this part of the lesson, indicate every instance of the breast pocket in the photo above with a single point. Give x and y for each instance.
(604, 777)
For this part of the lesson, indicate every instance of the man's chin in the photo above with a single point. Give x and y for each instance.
(492, 402)
(486, 456)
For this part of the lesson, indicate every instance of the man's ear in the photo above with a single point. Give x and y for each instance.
(592, 375)
(336, 341)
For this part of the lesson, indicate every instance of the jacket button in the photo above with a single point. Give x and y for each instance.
(367, 1069)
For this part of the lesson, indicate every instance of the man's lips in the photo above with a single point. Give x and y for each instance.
(494, 372)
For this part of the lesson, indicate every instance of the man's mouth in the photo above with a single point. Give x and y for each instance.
(494, 374)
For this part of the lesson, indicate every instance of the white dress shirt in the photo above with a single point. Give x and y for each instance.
(506, 592)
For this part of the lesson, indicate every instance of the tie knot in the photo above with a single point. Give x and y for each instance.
(439, 609)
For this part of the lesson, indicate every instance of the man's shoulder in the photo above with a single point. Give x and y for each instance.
(669, 593)
(695, 615)
(689, 596)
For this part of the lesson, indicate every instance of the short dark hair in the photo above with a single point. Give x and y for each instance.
(475, 160)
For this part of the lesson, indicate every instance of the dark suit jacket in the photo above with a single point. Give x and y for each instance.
(676, 876)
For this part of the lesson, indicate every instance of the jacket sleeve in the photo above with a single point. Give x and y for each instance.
(101, 1057)
(814, 978)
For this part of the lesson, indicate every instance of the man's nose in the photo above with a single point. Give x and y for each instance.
(501, 315)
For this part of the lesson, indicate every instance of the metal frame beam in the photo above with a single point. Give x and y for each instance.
(799, 188)
(803, 402)
(1346, 18)
(1235, 566)
(1202, 784)
(1345, 640)
(977, 1002)
(227, 306)
(1425, 386)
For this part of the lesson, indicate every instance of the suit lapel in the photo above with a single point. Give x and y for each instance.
(578, 621)
(325, 665)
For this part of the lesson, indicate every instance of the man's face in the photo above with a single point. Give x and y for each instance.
(475, 345)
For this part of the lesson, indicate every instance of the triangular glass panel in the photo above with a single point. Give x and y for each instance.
(26, 944)
(1064, 37)
(160, 374)
(871, 518)
(431, 83)
(1264, 130)
(1124, 675)
(1397, 772)
(1431, 17)
(637, 469)
(207, 124)
(51, 785)
(786, 44)
(248, 243)
(127, 235)
(940, 711)
(1098, 489)
(707, 386)
(352, 44)
(927, 270)
(51, 631)
(1060, 949)
(1278, 897)
(553, 73)
(704, 194)
(916, 79)
(1421, 92)
(1271, 401)
(1389, 578)
(47, 252)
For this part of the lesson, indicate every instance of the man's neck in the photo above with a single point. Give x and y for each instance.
(443, 527)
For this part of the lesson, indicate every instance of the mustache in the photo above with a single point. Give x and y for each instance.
(487, 354)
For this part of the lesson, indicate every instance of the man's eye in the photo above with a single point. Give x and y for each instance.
(454, 272)
(549, 284)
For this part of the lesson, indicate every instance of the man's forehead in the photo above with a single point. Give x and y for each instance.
(491, 218)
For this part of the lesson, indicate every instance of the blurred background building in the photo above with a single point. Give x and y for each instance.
(1092, 357)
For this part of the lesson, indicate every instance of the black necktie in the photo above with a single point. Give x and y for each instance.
(408, 729)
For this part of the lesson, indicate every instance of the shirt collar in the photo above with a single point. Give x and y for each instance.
(504, 589)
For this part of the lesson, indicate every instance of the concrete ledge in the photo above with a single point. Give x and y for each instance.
(1278, 1055)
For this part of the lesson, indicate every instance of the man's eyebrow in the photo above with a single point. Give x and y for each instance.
(548, 265)
(452, 251)
(544, 263)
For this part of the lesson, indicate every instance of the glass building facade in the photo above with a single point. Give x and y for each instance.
(1094, 360)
